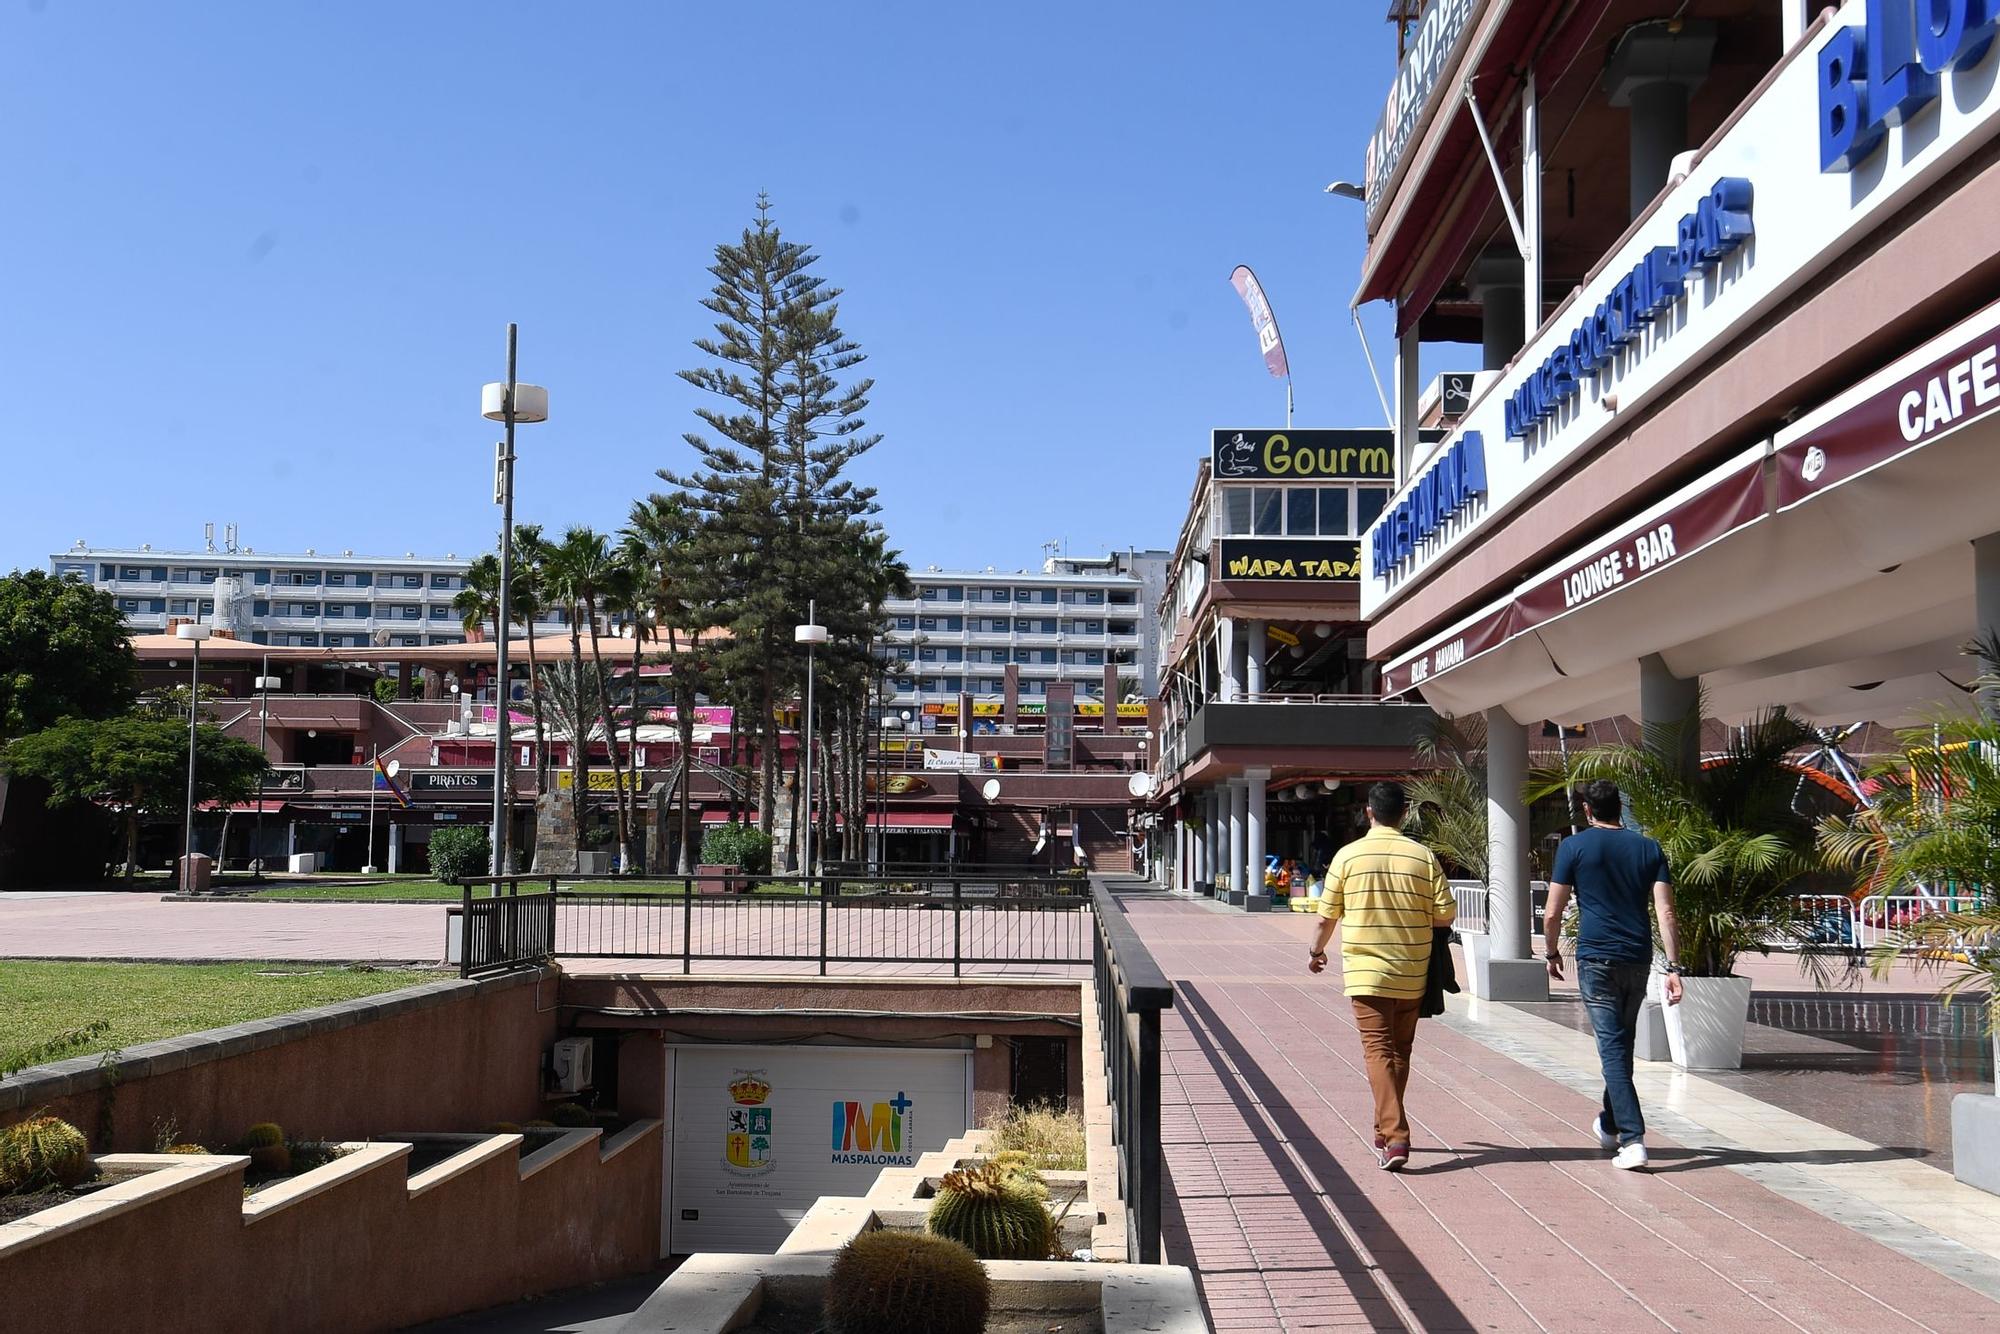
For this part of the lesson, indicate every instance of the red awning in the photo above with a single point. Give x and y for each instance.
(910, 821)
(269, 806)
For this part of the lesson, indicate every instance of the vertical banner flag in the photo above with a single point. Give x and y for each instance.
(1268, 340)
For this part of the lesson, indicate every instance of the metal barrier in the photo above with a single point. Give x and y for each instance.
(506, 929)
(1877, 917)
(958, 921)
(1471, 897)
(1131, 993)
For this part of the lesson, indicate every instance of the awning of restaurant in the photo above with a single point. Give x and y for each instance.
(1829, 569)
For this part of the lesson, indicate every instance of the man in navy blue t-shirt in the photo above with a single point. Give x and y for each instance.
(1613, 872)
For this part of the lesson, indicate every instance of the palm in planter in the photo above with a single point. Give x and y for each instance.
(1739, 852)
(1935, 824)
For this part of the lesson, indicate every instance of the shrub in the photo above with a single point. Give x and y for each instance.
(538, 1125)
(459, 852)
(385, 689)
(1052, 1140)
(265, 1143)
(572, 1115)
(996, 1210)
(503, 1128)
(310, 1153)
(184, 1148)
(41, 1152)
(738, 845)
(906, 1283)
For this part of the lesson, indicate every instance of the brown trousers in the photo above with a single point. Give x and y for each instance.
(1388, 1031)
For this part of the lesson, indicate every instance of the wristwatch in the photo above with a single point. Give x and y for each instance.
(1316, 954)
(1674, 968)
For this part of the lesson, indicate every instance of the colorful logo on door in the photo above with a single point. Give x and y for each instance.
(747, 1141)
(878, 1134)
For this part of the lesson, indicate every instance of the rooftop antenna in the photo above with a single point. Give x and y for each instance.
(208, 536)
(229, 537)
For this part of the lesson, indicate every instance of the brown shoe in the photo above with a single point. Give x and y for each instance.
(1381, 1147)
(1395, 1157)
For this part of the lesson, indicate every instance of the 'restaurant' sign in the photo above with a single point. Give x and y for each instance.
(1432, 44)
(1292, 561)
(1303, 456)
(451, 782)
(1952, 383)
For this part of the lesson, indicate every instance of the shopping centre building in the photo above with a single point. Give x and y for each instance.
(1734, 276)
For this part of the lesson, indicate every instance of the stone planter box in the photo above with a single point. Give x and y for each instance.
(164, 1175)
(712, 878)
(715, 1294)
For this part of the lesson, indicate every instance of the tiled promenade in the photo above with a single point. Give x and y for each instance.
(1509, 1217)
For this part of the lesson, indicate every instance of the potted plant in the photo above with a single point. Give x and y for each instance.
(1933, 827)
(1740, 852)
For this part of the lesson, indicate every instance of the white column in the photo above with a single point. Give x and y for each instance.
(1986, 603)
(1409, 389)
(395, 848)
(1257, 649)
(1794, 21)
(1239, 820)
(1255, 781)
(1667, 710)
(291, 841)
(1204, 854)
(1531, 207)
(1511, 969)
(1228, 653)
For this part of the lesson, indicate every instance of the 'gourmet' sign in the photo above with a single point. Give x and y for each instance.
(1303, 455)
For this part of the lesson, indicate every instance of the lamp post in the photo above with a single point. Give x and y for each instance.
(266, 683)
(509, 402)
(811, 634)
(194, 632)
(885, 695)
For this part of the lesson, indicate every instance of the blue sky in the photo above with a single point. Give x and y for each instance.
(259, 258)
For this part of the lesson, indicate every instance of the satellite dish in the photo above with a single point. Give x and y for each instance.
(990, 789)
(1140, 785)
(381, 638)
(394, 767)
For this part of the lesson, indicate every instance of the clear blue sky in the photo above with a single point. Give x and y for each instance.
(259, 258)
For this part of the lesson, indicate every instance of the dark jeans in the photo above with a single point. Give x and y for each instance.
(1612, 991)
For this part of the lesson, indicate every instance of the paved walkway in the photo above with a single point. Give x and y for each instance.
(1509, 1217)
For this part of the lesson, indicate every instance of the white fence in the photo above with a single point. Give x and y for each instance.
(1471, 896)
(1879, 916)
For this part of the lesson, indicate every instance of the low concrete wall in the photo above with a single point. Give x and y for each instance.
(448, 1055)
(351, 1245)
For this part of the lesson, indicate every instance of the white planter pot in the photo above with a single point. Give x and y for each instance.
(1705, 1031)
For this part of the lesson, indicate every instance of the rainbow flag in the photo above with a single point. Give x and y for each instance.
(384, 783)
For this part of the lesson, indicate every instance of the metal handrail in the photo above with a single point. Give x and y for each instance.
(1131, 992)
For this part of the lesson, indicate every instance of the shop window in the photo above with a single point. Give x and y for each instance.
(1267, 512)
(1302, 511)
(1333, 511)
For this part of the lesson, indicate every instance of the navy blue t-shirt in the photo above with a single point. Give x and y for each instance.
(1613, 872)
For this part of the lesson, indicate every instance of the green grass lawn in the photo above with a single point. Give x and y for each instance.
(143, 1002)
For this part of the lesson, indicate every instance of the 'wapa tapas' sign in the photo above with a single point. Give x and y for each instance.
(1302, 561)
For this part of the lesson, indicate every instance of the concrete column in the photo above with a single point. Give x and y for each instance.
(1229, 652)
(1409, 391)
(1211, 841)
(1257, 645)
(1496, 286)
(291, 841)
(1667, 711)
(1010, 699)
(1986, 604)
(395, 848)
(1511, 968)
(1254, 787)
(1239, 822)
(1110, 699)
(1652, 70)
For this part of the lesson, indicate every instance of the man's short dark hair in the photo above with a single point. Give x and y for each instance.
(1603, 800)
(1386, 803)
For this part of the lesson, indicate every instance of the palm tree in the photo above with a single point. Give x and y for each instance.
(579, 569)
(477, 604)
(1935, 825)
(1448, 799)
(525, 606)
(1737, 845)
(656, 543)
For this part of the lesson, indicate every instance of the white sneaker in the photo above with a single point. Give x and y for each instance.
(1631, 1158)
(1605, 1139)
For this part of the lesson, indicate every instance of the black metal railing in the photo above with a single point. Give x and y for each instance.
(1131, 993)
(936, 920)
(505, 928)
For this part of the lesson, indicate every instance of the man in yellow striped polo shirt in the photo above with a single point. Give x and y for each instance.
(1390, 892)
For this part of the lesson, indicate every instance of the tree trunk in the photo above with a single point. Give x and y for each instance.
(579, 745)
(619, 795)
(131, 841)
(535, 698)
(633, 749)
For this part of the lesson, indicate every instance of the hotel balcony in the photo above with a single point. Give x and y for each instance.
(1319, 731)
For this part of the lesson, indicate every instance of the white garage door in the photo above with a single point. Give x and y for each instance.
(761, 1132)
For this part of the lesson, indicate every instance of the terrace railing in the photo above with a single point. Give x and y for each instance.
(980, 921)
(1131, 993)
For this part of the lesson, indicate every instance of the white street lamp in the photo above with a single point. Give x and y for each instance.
(811, 634)
(509, 401)
(264, 686)
(194, 632)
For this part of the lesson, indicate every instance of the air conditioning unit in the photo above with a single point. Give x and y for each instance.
(569, 1064)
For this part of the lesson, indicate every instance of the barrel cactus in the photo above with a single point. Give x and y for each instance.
(572, 1115)
(41, 1152)
(996, 1210)
(906, 1283)
(265, 1143)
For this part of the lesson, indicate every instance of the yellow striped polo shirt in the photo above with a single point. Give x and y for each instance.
(1386, 890)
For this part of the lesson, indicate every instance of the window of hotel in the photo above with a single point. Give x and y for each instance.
(1370, 502)
(1123, 597)
(928, 623)
(411, 580)
(132, 572)
(444, 581)
(906, 622)
(441, 613)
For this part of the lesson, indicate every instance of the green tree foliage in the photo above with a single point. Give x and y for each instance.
(735, 845)
(1736, 843)
(135, 765)
(64, 653)
(459, 851)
